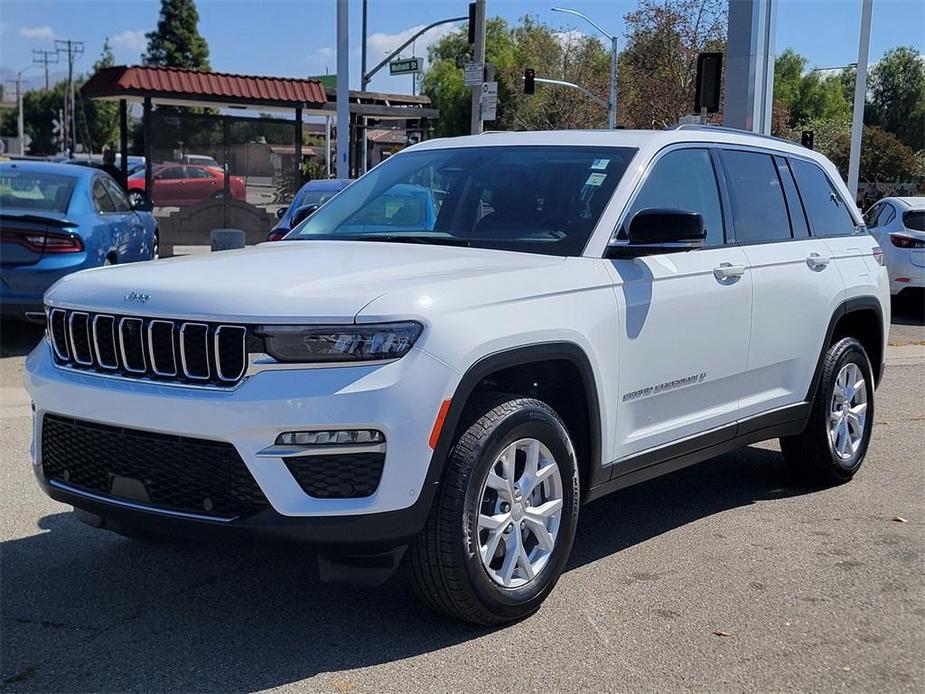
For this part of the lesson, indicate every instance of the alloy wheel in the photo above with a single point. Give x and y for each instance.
(848, 412)
(520, 512)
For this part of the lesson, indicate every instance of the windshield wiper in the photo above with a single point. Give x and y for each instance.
(413, 238)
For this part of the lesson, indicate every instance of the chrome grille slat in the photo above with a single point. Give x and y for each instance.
(187, 353)
(78, 327)
(153, 345)
(237, 369)
(207, 355)
(105, 335)
(57, 329)
(131, 354)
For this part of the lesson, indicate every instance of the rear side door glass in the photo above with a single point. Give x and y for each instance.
(101, 199)
(757, 196)
(683, 179)
(826, 210)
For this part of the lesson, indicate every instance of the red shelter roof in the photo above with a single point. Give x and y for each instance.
(180, 85)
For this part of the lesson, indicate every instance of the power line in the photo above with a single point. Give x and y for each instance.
(44, 58)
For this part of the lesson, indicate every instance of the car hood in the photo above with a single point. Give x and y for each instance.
(304, 281)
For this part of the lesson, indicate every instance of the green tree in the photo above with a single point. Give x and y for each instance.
(658, 65)
(98, 121)
(897, 95)
(176, 42)
(808, 95)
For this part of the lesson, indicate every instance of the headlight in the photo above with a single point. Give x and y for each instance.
(374, 342)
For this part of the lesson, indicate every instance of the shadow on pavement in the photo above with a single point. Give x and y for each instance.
(17, 339)
(87, 610)
(908, 308)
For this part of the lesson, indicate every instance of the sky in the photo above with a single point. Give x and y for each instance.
(295, 38)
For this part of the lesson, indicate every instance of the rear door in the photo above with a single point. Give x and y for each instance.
(796, 286)
(200, 183)
(684, 333)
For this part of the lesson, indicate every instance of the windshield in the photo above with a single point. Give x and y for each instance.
(536, 199)
(29, 190)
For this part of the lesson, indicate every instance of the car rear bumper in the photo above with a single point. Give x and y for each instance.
(22, 287)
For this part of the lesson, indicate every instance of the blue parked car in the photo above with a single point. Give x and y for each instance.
(56, 219)
(309, 198)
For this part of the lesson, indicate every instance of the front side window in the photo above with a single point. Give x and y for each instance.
(533, 199)
(683, 179)
(870, 217)
(758, 204)
(828, 215)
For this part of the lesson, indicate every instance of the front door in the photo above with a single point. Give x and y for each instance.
(684, 343)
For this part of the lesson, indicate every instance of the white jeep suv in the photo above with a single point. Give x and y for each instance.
(463, 347)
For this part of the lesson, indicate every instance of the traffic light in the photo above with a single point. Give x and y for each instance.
(709, 82)
(806, 139)
(471, 23)
(529, 80)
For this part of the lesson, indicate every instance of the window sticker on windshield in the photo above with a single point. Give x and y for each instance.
(600, 164)
(595, 179)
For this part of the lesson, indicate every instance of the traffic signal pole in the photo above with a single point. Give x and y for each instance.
(475, 123)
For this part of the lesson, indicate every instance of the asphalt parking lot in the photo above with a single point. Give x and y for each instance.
(720, 577)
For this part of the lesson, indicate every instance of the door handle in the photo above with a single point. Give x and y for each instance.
(727, 271)
(817, 262)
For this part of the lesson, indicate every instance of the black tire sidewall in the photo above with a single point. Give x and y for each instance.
(848, 351)
(528, 421)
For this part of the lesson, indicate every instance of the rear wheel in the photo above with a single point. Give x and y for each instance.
(832, 447)
(501, 529)
(155, 247)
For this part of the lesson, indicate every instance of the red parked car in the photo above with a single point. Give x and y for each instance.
(176, 185)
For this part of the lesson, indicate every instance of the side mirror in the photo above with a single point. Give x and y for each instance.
(281, 212)
(302, 214)
(140, 202)
(654, 230)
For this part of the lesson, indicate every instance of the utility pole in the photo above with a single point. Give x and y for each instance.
(860, 96)
(343, 91)
(44, 58)
(73, 50)
(20, 124)
(361, 165)
(478, 57)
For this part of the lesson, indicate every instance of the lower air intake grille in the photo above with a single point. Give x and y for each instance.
(347, 476)
(170, 472)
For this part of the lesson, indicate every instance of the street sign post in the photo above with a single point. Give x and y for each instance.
(406, 66)
(474, 74)
(489, 102)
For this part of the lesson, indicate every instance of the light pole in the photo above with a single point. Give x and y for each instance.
(20, 125)
(612, 104)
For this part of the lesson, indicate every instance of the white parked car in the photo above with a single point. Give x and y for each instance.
(582, 312)
(898, 225)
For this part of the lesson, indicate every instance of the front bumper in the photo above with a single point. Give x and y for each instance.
(400, 399)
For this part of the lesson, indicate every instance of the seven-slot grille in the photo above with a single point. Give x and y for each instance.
(160, 349)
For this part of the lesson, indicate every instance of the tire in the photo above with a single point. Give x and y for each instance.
(834, 443)
(447, 569)
(155, 247)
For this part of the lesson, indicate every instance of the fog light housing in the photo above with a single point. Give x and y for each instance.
(348, 437)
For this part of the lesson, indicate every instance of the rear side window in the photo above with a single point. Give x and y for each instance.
(827, 213)
(684, 180)
(101, 198)
(914, 220)
(758, 204)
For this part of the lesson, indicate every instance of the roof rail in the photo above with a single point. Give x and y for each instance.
(727, 129)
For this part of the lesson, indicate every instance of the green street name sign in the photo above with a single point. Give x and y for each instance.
(406, 66)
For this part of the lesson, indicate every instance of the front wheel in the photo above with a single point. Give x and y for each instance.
(501, 529)
(135, 198)
(832, 447)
